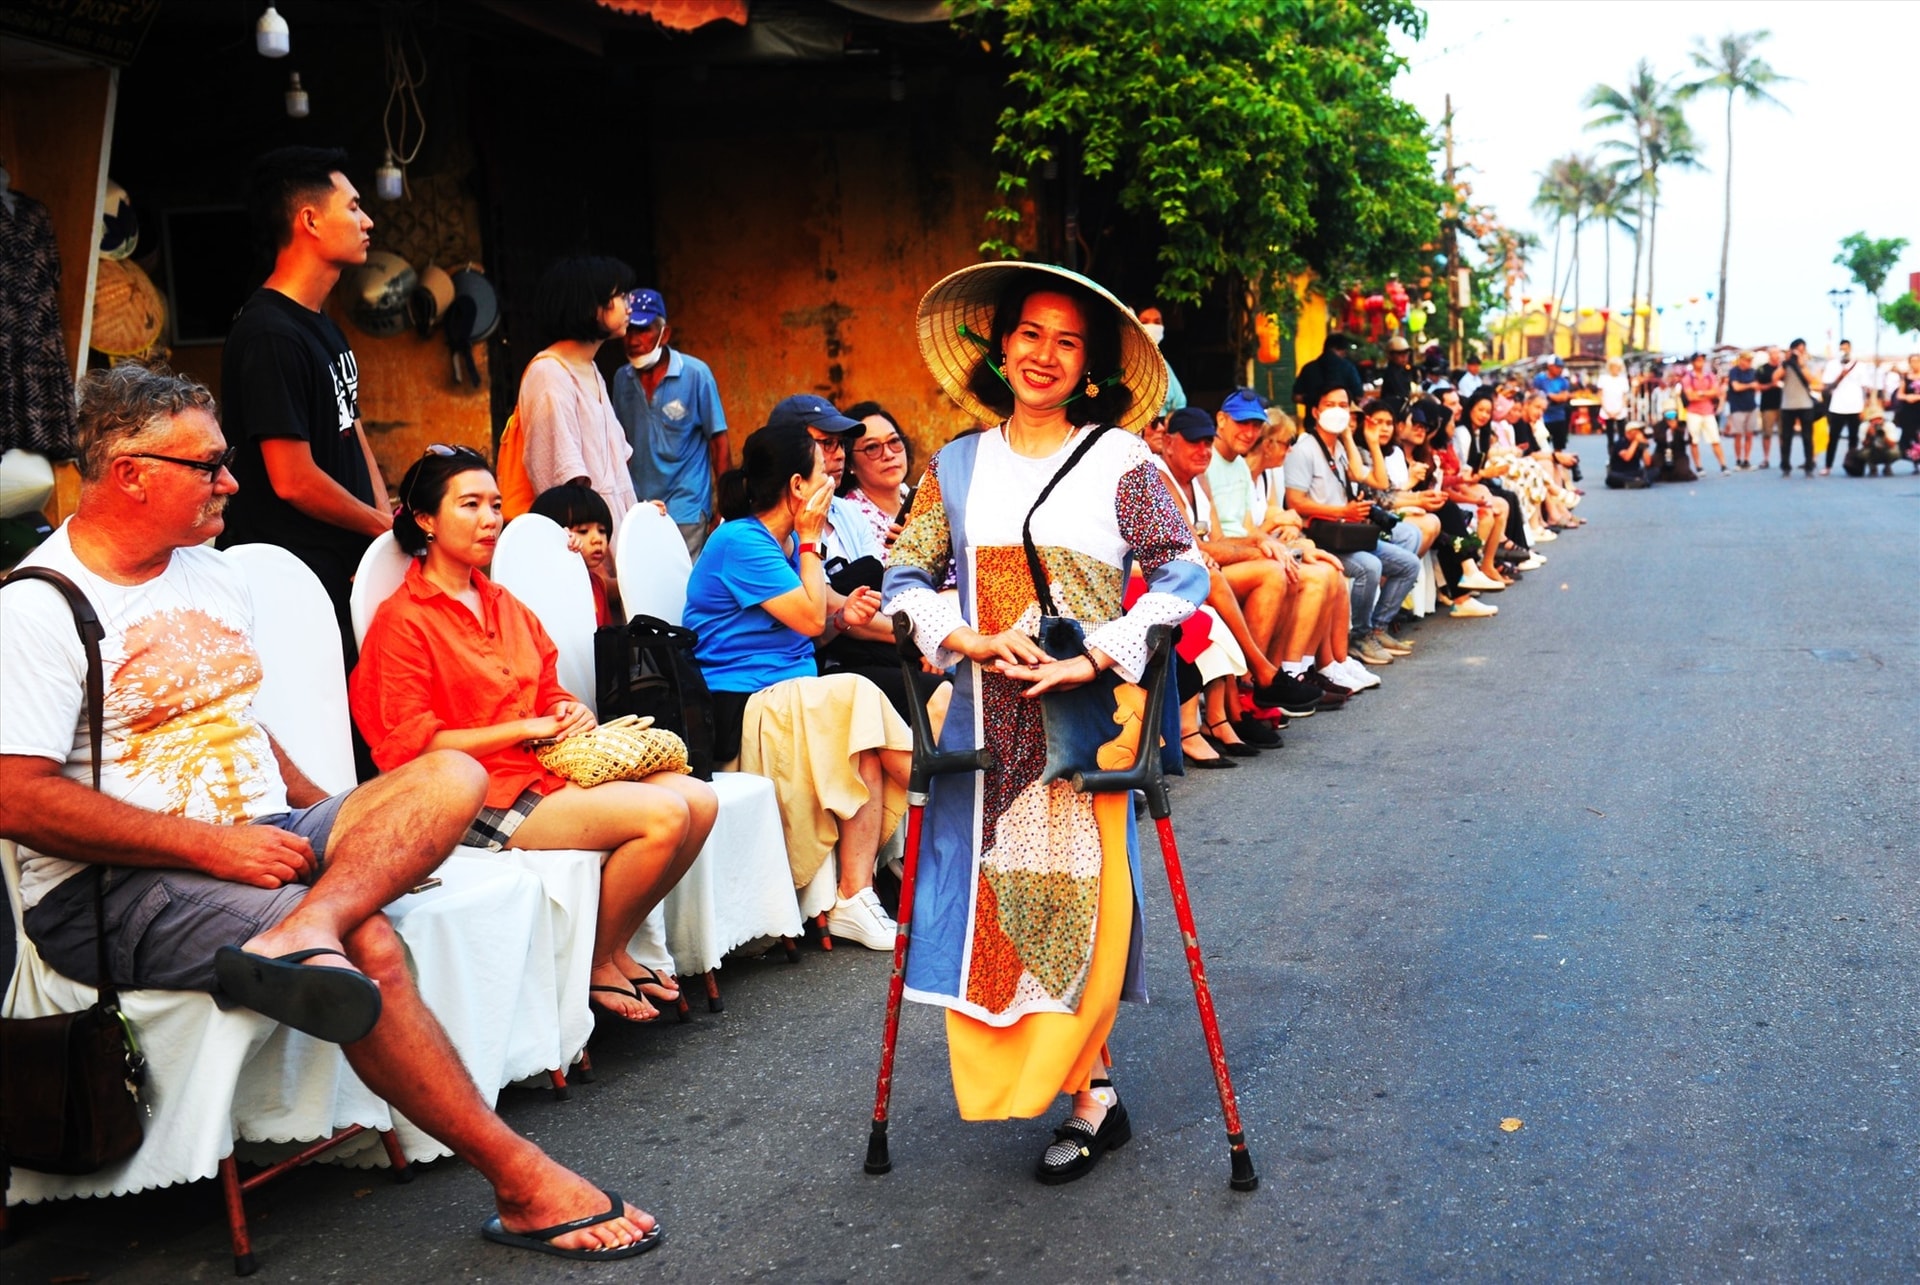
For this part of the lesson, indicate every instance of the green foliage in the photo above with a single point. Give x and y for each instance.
(1903, 314)
(1261, 135)
(1869, 260)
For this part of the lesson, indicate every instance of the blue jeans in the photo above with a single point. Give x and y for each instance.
(1382, 579)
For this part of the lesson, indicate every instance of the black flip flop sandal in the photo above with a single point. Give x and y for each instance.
(540, 1241)
(651, 977)
(338, 1005)
(622, 1017)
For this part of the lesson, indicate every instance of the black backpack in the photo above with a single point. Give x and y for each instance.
(646, 667)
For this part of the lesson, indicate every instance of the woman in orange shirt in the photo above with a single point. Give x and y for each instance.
(454, 662)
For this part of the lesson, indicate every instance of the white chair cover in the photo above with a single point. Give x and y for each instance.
(1424, 596)
(739, 888)
(532, 562)
(652, 565)
(298, 640)
(382, 567)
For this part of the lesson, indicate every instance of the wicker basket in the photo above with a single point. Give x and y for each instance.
(626, 749)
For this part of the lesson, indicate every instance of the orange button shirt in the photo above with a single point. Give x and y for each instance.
(428, 665)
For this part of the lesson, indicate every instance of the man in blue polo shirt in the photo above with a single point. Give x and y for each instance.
(670, 408)
(1558, 390)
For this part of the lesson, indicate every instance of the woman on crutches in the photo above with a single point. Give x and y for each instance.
(1025, 924)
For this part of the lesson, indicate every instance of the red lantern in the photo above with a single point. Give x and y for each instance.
(1376, 317)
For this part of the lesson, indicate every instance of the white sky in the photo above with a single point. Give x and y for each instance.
(1838, 160)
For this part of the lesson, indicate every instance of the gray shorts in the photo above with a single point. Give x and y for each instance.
(1743, 423)
(164, 925)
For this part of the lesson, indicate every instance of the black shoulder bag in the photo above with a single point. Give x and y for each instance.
(646, 667)
(1078, 720)
(1334, 536)
(70, 1083)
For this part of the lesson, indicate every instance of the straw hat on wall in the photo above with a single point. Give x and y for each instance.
(128, 313)
(956, 318)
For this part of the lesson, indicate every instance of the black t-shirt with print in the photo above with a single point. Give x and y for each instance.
(1769, 397)
(288, 372)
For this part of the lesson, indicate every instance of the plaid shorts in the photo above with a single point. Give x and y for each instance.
(494, 826)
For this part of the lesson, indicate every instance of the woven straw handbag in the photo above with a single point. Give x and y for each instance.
(626, 749)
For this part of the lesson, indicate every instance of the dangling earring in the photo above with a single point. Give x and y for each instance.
(1093, 389)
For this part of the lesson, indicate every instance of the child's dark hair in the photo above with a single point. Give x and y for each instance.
(571, 504)
(1103, 350)
(772, 457)
(572, 292)
(280, 183)
(425, 486)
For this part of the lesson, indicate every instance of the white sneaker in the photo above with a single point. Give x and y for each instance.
(1469, 608)
(1354, 674)
(1472, 577)
(862, 918)
(1534, 560)
(1546, 536)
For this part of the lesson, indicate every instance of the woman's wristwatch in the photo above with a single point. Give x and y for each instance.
(809, 546)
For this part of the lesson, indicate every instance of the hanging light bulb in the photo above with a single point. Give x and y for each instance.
(389, 183)
(298, 104)
(271, 36)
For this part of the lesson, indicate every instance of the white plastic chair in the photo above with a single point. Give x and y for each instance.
(652, 566)
(297, 652)
(534, 564)
(382, 567)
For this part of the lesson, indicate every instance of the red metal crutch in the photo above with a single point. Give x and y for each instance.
(927, 764)
(1145, 775)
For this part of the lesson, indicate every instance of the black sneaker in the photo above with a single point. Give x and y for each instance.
(1288, 695)
(1255, 732)
(1332, 694)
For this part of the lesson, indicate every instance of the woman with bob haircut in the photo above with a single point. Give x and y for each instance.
(454, 662)
(836, 751)
(1032, 936)
(572, 434)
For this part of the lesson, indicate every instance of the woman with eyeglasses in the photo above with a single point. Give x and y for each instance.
(878, 466)
(454, 662)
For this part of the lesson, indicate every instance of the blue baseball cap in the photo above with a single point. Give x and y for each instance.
(1192, 423)
(1244, 406)
(804, 410)
(644, 307)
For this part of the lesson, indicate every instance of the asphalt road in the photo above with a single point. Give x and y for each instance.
(1632, 864)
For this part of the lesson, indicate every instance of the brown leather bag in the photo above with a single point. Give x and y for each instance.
(70, 1083)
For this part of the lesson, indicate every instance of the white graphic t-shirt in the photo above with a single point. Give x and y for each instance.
(180, 671)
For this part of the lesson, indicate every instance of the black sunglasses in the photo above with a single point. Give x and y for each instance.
(444, 451)
(210, 467)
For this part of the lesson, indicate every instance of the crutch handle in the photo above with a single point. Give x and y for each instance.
(929, 762)
(1145, 774)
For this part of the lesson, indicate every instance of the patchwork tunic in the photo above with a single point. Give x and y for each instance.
(1025, 921)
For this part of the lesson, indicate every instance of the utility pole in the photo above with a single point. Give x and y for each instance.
(1455, 308)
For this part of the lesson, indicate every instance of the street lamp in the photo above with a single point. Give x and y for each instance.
(1840, 295)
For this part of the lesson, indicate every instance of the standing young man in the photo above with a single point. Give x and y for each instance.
(670, 408)
(308, 479)
(1796, 407)
(1558, 390)
(1846, 390)
(1743, 408)
(1770, 375)
(1703, 390)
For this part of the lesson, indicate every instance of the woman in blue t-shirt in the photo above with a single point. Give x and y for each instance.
(835, 749)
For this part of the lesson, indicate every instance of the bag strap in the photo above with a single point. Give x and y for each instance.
(1346, 483)
(87, 622)
(1042, 593)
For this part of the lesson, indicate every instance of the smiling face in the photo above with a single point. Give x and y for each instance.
(879, 460)
(1046, 351)
(467, 524)
(1189, 460)
(1480, 414)
(1240, 435)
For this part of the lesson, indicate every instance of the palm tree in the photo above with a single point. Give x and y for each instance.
(1731, 66)
(1669, 143)
(1554, 198)
(1634, 110)
(1608, 194)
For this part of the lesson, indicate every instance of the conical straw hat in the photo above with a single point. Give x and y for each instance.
(128, 313)
(956, 317)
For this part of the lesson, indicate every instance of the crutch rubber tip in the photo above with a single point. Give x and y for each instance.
(1244, 1178)
(878, 1161)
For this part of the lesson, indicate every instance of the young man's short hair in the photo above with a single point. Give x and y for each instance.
(281, 182)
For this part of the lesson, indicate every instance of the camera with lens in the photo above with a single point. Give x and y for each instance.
(1384, 518)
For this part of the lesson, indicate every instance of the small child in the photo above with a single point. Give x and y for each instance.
(585, 516)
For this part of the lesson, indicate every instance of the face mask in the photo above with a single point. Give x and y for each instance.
(648, 360)
(1334, 419)
(1155, 331)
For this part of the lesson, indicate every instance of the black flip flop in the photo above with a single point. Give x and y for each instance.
(540, 1241)
(630, 994)
(338, 1005)
(651, 977)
